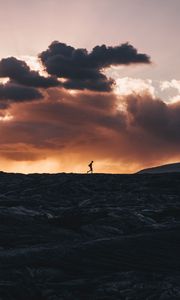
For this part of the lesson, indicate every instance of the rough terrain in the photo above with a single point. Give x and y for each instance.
(74, 236)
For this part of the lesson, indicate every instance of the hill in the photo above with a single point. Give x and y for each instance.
(96, 236)
(169, 168)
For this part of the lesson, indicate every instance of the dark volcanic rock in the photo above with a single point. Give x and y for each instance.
(70, 236)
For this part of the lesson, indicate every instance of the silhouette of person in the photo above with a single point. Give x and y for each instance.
(90, 167)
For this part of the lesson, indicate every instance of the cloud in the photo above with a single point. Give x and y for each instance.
(100, 84)
(153, 130)
(78, 70)
(127, 85)
(19, 72)
(74, 128)
(12, 92)
(83, 69)
(62, 124)
(154, 117)
(170, 84)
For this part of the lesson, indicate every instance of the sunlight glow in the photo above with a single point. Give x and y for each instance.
(126, 86)
(6, 118)
(4, 80)
(34, 63)
(26, 167)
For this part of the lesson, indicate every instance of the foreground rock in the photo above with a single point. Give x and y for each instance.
(70, 236)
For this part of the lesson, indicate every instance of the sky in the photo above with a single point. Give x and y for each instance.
(89, 80)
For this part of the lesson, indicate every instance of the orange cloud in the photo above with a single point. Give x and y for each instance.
(69, 130)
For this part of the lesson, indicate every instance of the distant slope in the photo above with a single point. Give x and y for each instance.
(170, 168)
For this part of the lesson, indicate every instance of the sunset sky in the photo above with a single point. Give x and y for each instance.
(89, 80)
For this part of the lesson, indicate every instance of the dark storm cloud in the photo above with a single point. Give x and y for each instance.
(101, 84)
(83, 69)
(18, 93)
(19, 71)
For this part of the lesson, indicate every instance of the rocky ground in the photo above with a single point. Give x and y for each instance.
(73, 237)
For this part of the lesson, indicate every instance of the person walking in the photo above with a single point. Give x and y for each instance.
(90, 167)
